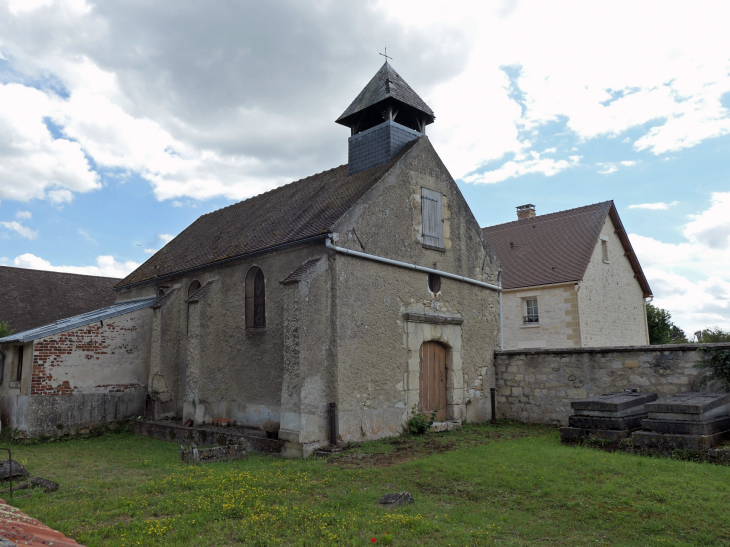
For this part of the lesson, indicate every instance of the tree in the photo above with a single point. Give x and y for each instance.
(712, 334)
(4, 329)
(661, 329)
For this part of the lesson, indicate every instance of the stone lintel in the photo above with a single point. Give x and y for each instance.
(433, 318)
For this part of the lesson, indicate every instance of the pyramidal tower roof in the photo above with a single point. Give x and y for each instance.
(386, 84)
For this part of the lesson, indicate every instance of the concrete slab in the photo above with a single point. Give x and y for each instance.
(651, 439)
(706, 404)
(710, 427)
(576, 434)
(613, 404)
(607, 422)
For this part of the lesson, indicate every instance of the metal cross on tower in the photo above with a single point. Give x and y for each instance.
(386, 55)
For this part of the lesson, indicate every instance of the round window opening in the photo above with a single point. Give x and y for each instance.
(434, 283)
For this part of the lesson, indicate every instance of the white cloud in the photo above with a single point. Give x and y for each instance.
(524, 164)
(22, 231)
(691, 279)
(86, 236)
(658, 206)
(150, 251)
(106, 266)
(34, 165)
(165, 238)
(141, 97)
(23, 215)
(712, 227)
(607, 168)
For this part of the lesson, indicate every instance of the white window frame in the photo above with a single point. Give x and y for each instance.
(526, 311)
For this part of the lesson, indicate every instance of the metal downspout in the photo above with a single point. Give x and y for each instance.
(410, 266)
(501, 333)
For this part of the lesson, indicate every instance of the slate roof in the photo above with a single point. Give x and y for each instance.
(301, 272)
(294, 212)
(386, 83)
(31, 298)
(76, 321)
(557, 247)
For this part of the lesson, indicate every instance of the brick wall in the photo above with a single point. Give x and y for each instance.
(538, 385)
(89, 375)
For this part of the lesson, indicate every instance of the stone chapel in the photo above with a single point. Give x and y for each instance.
(368, 290)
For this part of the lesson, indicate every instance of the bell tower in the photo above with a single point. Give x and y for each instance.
(383, 118)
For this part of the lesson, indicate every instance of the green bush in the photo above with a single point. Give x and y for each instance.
(718, 361)
(420, 422)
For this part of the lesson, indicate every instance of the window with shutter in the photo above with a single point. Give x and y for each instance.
(433, 218)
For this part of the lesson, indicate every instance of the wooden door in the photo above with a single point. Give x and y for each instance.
(433, 379)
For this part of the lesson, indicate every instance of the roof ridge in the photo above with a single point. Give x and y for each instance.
(60, 273)
(550, 216)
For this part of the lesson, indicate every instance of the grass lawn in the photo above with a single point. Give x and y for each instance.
(504, 484)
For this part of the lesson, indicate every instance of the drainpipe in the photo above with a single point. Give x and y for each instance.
(501, 334)
(408, 266)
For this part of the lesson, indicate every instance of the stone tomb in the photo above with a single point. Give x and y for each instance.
(686, 420)
(611, 416)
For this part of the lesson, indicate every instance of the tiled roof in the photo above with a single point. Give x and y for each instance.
(62, 325)
(386, 83)
(31, 298)
(555, 248)
(294, 212)
(19, 528)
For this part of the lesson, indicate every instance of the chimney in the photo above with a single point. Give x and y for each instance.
(525, 211)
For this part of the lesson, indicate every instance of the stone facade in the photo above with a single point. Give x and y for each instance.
(538, 385)
(346, 331)
(558, 311)
(78, 378)
(605, 308)
(610, 301)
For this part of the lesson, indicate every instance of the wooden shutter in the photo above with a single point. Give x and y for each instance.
(433, 217)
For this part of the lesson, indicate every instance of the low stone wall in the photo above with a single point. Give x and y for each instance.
(208, 436)
(537, 385)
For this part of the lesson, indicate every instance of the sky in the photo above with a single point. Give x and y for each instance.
(122, 122)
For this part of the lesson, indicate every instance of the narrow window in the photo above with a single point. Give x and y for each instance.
(194, 286)
(160, 293)
(604, 250)
(531, 311)
(433, 218)
(19, 369)
(434, 283)
(255, 299)
(2, 367)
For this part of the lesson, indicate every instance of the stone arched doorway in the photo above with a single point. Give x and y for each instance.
(432, 379)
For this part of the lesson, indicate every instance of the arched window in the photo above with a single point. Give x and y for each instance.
(255, 299)
(194, 286)
(434, 283)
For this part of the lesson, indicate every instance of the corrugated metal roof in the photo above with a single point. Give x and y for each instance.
(80, 320)
(19, 528)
